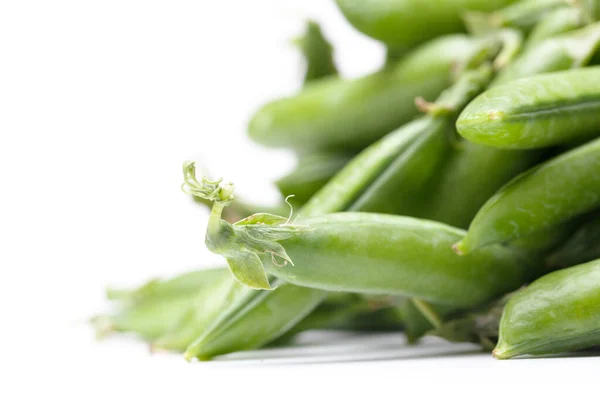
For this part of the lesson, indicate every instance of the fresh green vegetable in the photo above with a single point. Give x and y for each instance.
(334, 114)
(541, 198)
(312, 172)
(409, 22)
(556, 313)
(559, 21)
(582, 246)
(570, 50)
(539, 111)
(317, 52)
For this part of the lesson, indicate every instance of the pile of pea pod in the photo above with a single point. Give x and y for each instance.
(455, 192)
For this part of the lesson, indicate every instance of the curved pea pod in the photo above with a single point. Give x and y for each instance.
(235, 334)
(470, 175)
(570, 50)
(200, 313)
(391, 255)
(317, 52)
(408, 22)
(399, 189)
(419, 318)
(156, 307)
(556, 313)
(334, 114)
(582, 246)
(310, 175)
(559, 21)
(539, 111)
(541, 198)
(523, 14)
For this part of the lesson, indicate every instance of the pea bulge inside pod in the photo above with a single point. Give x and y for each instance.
(394, 255)
(539, 111)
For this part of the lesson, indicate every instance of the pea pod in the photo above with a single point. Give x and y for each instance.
(470, 175)
(546, 196)
(409, 22)
(570, 50)
(360, 252)
(156, 307)
(311, 174)
(317, 52)
(334, 114)
(559, 21)
(264, 307)
(399, 189)
(558, 312)
(539, 111)
(523, 14)
(582, 246)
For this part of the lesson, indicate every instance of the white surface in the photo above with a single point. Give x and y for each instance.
(100, 102)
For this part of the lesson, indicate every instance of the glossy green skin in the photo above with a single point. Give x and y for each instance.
(343, 189)
(541, 198)
(399, 189)
(582, 246)
(393, 255)
(310, 175)
(317, 52)
(334, 114)
(408, 22)
(570, 50)
(252, 324)
(558, 21)
(539, 111)
(556, 313)
(460, 187)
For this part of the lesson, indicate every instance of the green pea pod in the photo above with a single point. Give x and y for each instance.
(317, 52)
(156, 307)
(582, 246)
(470, 175)
(561, 20)
(362, 253)
(310, 175)
(420, 318)
(523, 14)
(558, 312)
(233, 332)
(334, 114)
(541, 198)
(539, 111)
(409, 22)
(200, 313)
(570, 50)
(399, 189)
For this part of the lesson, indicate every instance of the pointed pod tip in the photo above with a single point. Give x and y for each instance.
(459, 248)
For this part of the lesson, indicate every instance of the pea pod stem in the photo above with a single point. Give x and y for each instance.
(428, 312)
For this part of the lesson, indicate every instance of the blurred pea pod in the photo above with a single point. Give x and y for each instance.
(404, 23)
(523, 15)
(317, 52)
(559, 21)
(544, 197)
(156, 307)
(335, 114)
(566, 51)
(558, 312)
(582, 246)
(312, 172)
(249, 324)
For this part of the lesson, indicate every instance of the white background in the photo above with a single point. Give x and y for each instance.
(100, 103)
